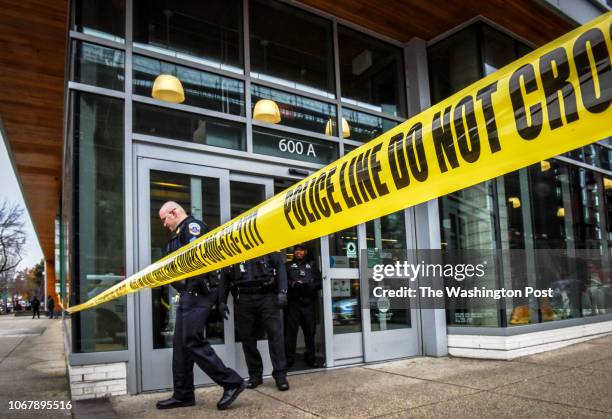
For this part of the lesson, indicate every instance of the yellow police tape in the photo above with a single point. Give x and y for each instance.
(553, 100)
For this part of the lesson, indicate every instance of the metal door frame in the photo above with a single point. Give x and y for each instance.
(367, 346)
(156, 364)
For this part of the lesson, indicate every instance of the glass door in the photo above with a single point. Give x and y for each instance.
(363, 327)
(342, 299)
(390, 325)
(203, 192)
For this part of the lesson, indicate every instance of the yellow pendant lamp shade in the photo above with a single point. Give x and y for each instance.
(168, 88)
(544, 165)
(266, 110)
(515, 201)
(346, 130)
(607, 183)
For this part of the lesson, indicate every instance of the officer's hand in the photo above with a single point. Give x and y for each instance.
(282, 299)
(223, 310)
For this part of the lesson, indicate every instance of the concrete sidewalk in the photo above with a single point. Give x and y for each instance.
(575, 381)
(32, 366)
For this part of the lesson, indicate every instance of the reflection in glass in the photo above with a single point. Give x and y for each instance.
(210, 34)
(344, 249)
(292, 146)
(453, 63)
(346, 305)
(98, 66)
(102, 18)
(371, 73)
(291, 47)
(99, 243)
(184, 126)
(365, 127)
(386, 238)
(202, 89)
(468, 222)
(199, 196)
(586, 221)
(386, 244)
(298, 111)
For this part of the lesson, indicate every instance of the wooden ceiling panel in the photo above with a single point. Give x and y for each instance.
(403, 20)
(32, 60)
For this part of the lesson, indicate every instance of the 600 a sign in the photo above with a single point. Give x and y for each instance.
(296, 147)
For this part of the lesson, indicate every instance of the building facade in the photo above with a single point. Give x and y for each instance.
(338, 82)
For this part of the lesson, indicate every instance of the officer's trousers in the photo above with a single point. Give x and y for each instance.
(254, 309)
(190, 345)
(300, 313)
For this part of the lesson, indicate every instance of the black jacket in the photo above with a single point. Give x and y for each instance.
(187, 231)
(304, 279)
(245, 274)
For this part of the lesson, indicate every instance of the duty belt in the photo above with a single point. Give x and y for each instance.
(262, 289)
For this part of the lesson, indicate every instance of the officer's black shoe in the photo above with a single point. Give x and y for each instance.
(253, 383)
(282, 384)
(172, 403)
(229, 395)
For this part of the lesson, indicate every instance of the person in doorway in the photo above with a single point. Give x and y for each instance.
(35, 307)
(197, 296)
(260, 291)
(304, 281)
(50, 306)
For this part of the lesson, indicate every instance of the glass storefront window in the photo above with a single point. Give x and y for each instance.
(184, 126)
(98, 65)
(291, 47)
(295, 147)
(454, 63)
(209, 33)
(298, 111)
(102, 18)
(202, 89)
(605, 157)
(468, 222)
(371, 73)
(586, 220)
(365, 127)
(99, 259)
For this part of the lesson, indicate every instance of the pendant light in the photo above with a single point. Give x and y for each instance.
(168, 87)
(267, 110)
(346, 130)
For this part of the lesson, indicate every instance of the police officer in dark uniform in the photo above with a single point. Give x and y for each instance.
(260, 290)
(197, 296)
(304, 281)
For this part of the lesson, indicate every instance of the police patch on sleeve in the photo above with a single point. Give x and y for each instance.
(194, 229)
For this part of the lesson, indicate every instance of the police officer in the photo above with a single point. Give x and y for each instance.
(304, 281)
(197, 296)
(260, 290)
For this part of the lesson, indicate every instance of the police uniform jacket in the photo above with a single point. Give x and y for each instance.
(304, 279)
(187, 231)
(263, 274)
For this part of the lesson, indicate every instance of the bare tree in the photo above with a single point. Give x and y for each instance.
(12, 235)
